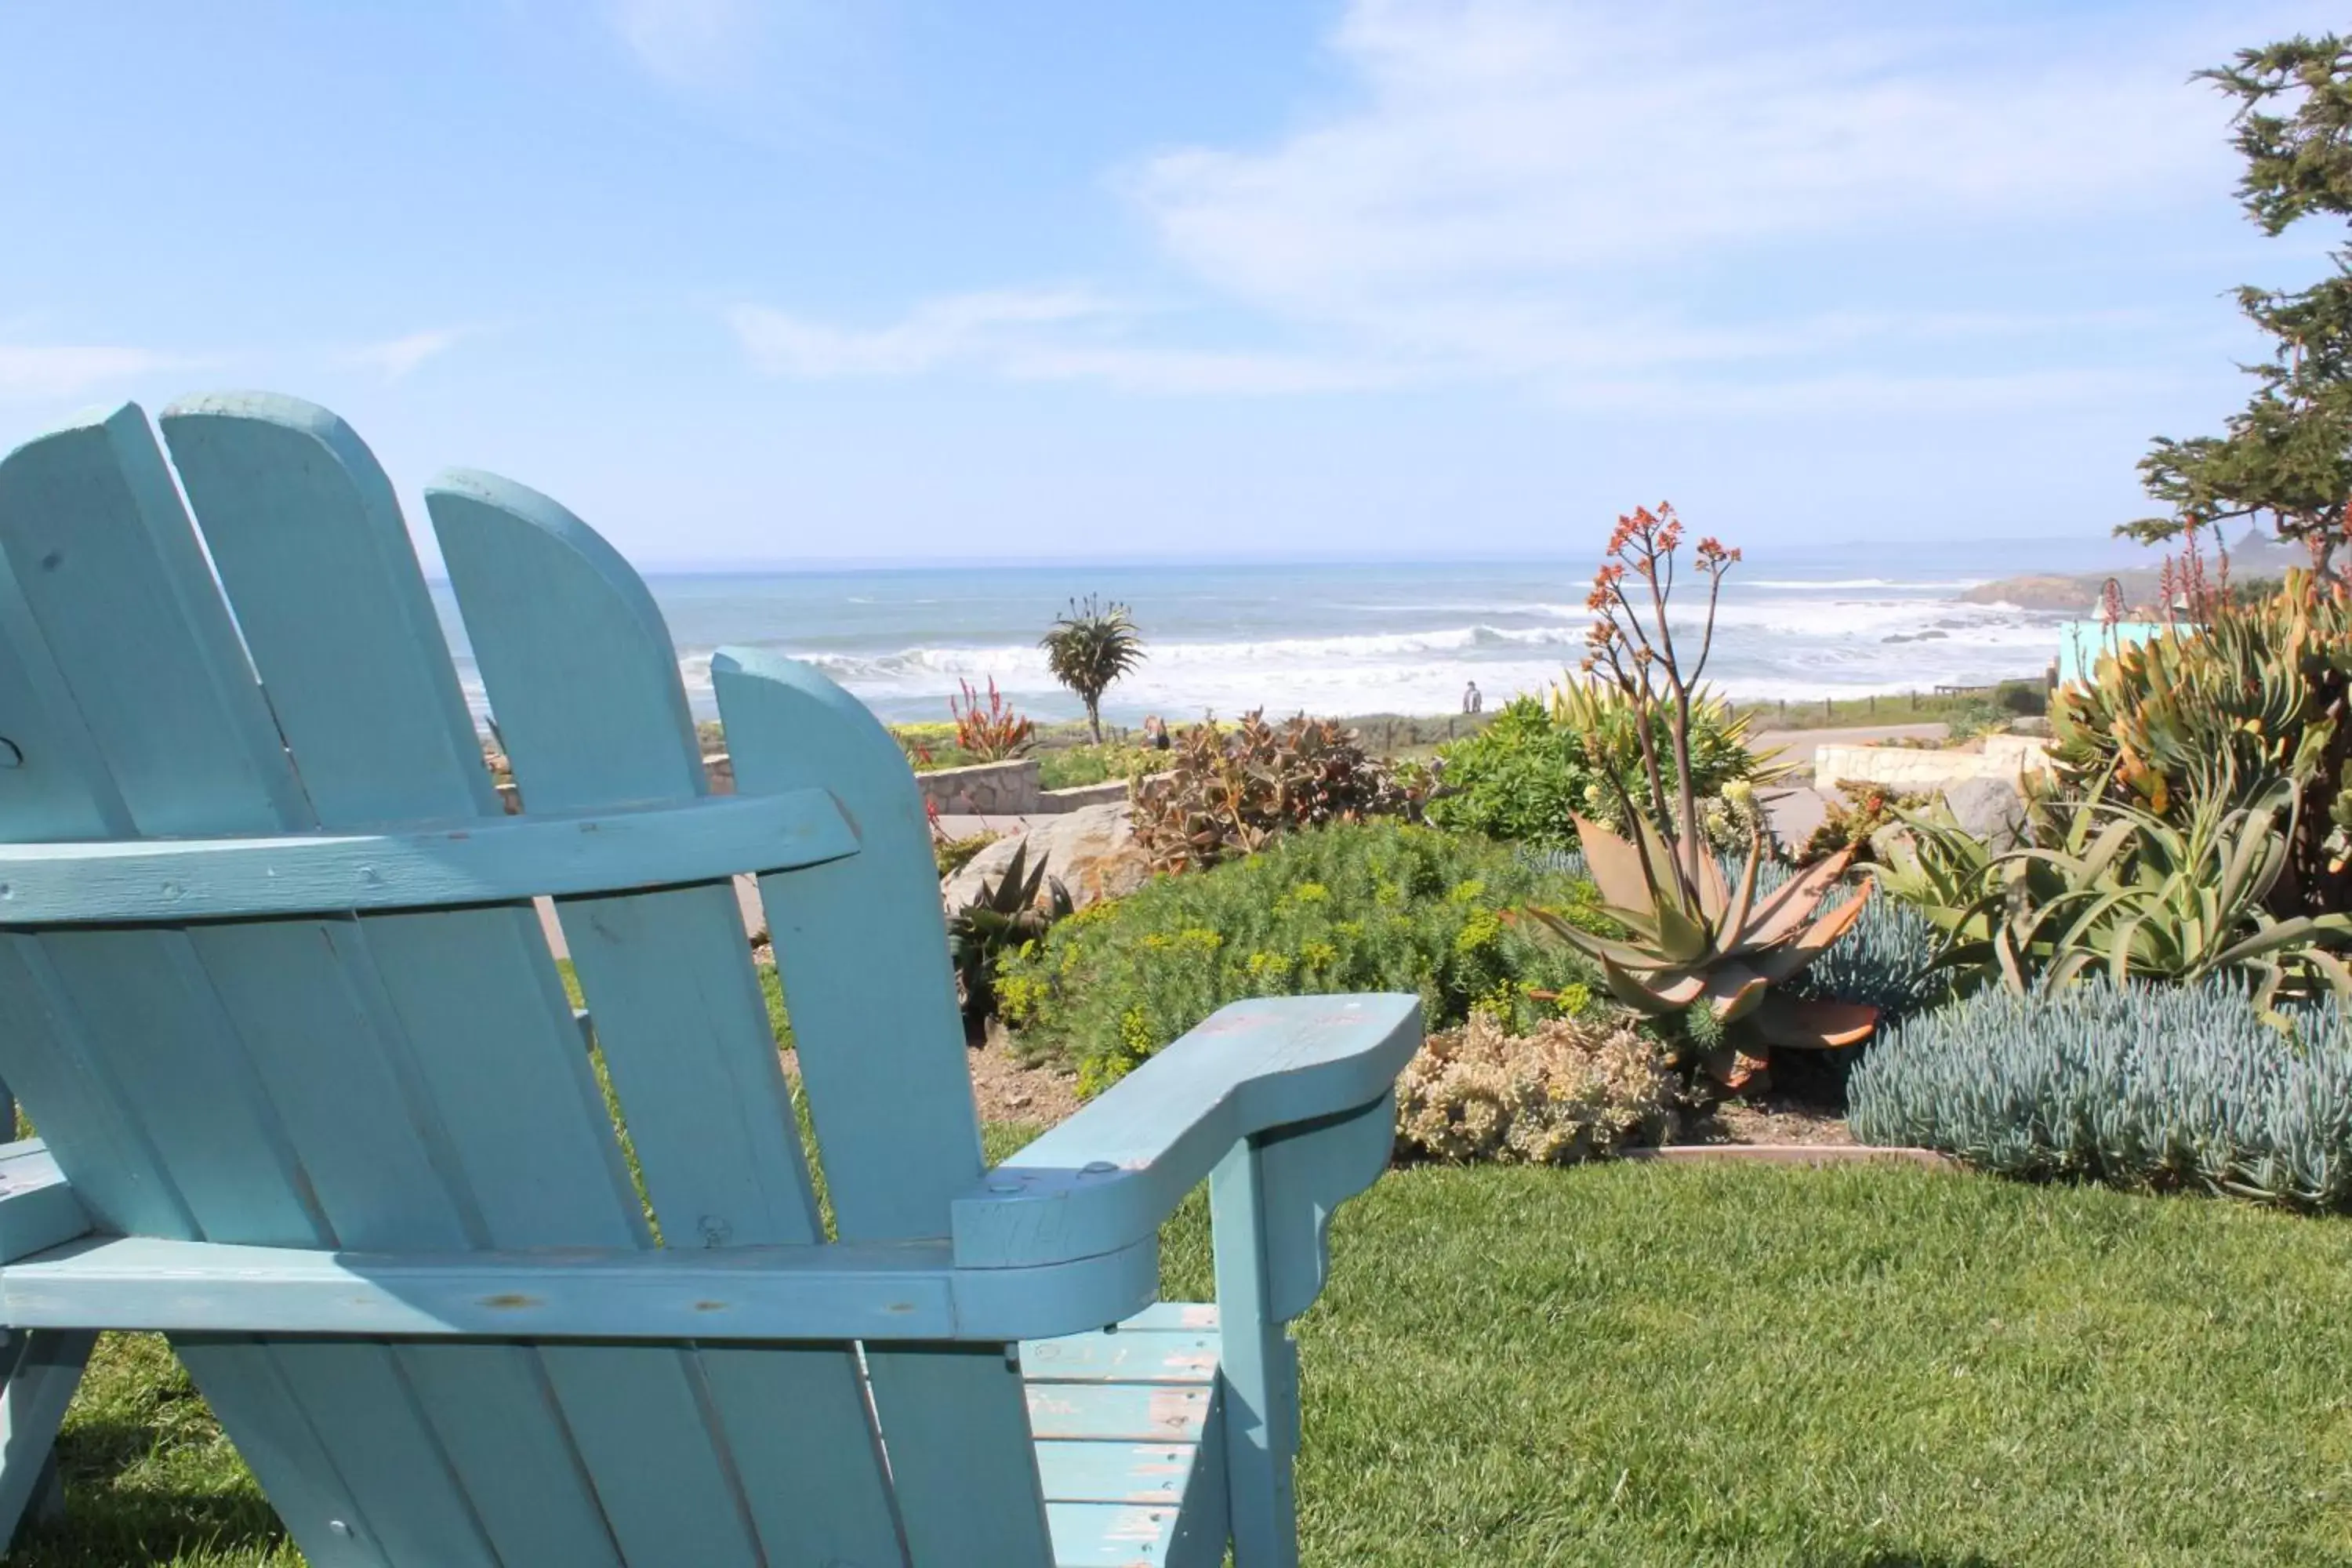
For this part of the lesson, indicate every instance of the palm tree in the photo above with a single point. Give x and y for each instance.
(1091, 646)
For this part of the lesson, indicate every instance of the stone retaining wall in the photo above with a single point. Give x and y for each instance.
(984, 789)
(1080, 795)
(2006, 757)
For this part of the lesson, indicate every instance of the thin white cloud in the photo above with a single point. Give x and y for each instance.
(1813, 395)
(40, 372)
(1586, 191)
(1197, 372)
(1509, 143)
(688, 43)
(1054, 334)
(1624, 205)
(398, 357)
(940, 332)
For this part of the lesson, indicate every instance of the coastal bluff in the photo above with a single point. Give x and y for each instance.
(2074, 594)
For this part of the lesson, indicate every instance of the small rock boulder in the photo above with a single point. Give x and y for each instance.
(1092, 850)
(1894, 847)
(1990, 809)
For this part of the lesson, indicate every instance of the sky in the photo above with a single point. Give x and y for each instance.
(748, 281)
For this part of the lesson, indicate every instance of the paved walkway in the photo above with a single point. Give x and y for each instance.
(1799, 743)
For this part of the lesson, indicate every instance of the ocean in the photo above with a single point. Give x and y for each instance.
(1399, 638)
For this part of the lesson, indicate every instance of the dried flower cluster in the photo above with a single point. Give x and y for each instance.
(1565, 1092)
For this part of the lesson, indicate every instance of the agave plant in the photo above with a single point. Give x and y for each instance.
(2122, 891)
(1714, 951)
(1016, 907)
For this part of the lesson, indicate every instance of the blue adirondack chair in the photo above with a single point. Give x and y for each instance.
(314, 1105)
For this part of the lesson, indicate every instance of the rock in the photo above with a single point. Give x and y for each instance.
(1989, 809)
(1894, 846)
(1092, 850)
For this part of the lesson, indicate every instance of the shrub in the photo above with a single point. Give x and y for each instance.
(1528, 774)
(2022, 698)
(1068, 767)
(1566, 1090)
(954, 854)
(1351, 907)
(2159, 1086)
(1228, 790)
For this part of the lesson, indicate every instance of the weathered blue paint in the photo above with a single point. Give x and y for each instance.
(339, 1135)
(562, 855)
(1107, 1177)
(586, 681)
(878, 1291)
(39, 1209)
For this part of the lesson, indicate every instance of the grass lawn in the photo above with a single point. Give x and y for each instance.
(1849, 1368)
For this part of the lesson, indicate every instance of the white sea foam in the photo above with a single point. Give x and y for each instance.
(1844, 638)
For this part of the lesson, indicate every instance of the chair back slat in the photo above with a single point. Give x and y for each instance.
(862, 950)
(413, 1080)
(96, 542)
(318, 569)
(579, 669)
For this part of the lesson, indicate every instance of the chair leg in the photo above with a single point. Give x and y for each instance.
(49, 1504)
(1259, 1371)
(44, 1368)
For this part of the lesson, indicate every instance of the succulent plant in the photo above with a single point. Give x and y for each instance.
(1715, 947)
(1887, 959)
(1567, 1091)
(2166, 1086)
(2261, 690)
(2122, 890)
(992, 734)
(1228, 791)
(1018, 907)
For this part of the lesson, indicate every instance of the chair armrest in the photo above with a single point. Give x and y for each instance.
(1108, 1178)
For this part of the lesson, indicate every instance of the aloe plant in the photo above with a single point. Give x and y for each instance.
(1696, 947)
(1016, 907)
(1718, 948)
(2119, 890)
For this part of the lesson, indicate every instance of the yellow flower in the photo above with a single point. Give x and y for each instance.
(1268, 965)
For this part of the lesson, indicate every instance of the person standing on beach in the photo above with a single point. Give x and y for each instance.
(1473, 700)
(1155, 732)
